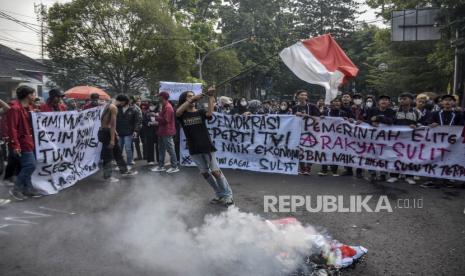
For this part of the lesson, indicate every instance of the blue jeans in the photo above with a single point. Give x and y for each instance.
(206, 162)
(28, 165)
(166, 143)
(125, 142)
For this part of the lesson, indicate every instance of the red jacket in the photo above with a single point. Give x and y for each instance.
(166, 123)
(46, 107)
(18, 123)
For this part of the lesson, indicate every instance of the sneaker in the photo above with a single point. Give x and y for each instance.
(14, 193)
(9, 183)
(429, 185)
(322, 173)
(112, 180)
(32, 193)
(382, 177)
(392, 179)
(4, 202)
(151, 163)
(359, 175)
(132, 163)
(227, 201)
(215, 200)
(335, 174)
(173, 170)
(410, 181)
(129, 173)
(158, 169)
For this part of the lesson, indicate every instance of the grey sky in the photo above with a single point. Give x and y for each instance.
(17, 37)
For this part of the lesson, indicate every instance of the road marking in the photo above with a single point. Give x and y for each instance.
(58, 211)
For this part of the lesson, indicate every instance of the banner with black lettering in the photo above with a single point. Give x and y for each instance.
(66, 146)
(433, 152)
(256, 143)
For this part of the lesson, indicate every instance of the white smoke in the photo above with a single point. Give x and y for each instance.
(157, 232)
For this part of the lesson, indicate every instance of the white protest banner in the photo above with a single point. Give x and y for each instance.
(175, 89)
(424, 151)
(66, 146)
(256, 143)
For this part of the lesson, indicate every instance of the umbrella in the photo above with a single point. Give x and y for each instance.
(84, 92)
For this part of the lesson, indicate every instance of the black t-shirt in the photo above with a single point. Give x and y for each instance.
(195, 129)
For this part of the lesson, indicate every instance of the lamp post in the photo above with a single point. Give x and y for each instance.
(201, 61)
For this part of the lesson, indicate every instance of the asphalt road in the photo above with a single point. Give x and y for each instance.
(138, 226)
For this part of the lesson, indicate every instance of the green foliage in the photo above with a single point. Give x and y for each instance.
(125, 44)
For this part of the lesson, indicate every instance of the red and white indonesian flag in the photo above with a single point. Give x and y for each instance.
(321, 61)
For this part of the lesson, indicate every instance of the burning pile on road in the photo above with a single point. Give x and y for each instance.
(327, 257)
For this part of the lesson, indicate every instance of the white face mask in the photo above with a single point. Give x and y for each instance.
(358, 101)
(243, 103)
(283, 107)
(369, 104)
(152, 108)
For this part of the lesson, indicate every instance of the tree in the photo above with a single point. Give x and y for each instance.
(126, 44)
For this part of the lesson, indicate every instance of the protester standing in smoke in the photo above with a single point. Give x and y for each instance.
(166, 131)
(201, 149)
(406, 116)
(21, 142)
(382, 114)
(304, 109)
(4, 107)
(54, 102)
(333, 111)
(127, 125)
(111, 149)
(150, 127)
(137, 104)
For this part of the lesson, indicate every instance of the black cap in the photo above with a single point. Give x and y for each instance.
(406, 95)
(55, 93)
(357, 96)
(447, 96)
(384, 97)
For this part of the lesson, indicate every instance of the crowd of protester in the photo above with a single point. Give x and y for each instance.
(148, 129)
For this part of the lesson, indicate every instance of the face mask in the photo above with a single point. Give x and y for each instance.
(283, 107)
(243, 103)
(152, 108)
(358, 101)
(369, 104)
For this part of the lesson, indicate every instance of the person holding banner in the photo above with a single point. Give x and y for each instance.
(381, 114)
(201, 149)
(54, 102)
(21, 141)
(304, 109)
(333, 111)
(406, 116)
